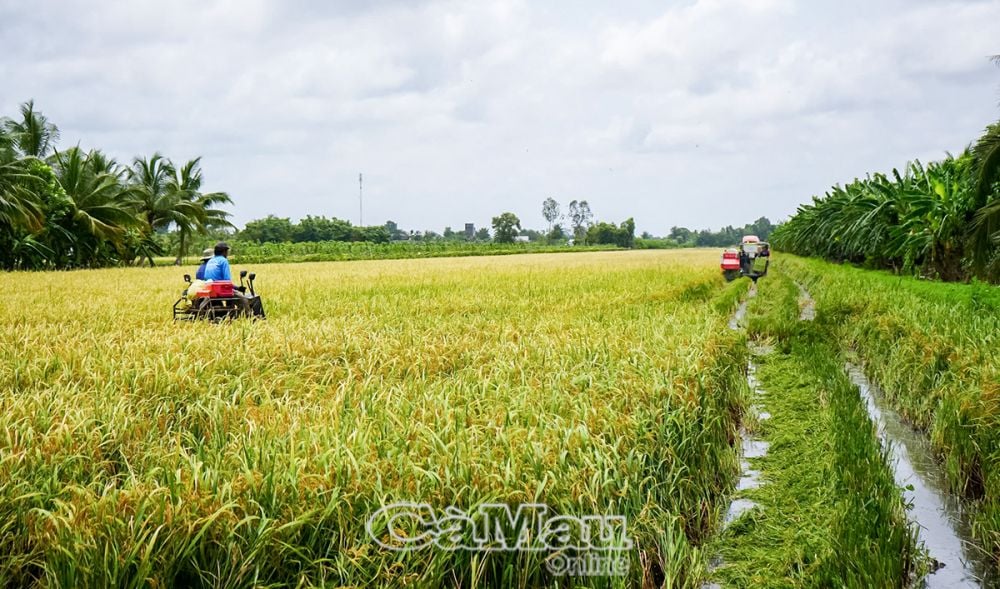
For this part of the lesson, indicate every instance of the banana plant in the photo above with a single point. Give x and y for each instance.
(921, 220)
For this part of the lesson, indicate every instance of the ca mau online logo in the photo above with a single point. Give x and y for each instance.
(589, 545)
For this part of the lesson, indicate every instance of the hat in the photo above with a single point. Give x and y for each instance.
(207, 254)
(221, 247)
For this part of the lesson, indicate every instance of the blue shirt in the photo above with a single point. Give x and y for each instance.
(200, 274)
(218, 269)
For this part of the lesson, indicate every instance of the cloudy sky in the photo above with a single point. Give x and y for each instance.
(698, 112)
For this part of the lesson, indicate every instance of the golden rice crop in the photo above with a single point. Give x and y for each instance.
(135, 451)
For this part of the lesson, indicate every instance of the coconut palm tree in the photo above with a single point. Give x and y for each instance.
(102, 208)
(150, 178)
(186, 185)
(986, 171)
(986, 229)
(20, 207)
(99, 162)
(77, 208)
(33, 135)
(985, 234)
(159, 203)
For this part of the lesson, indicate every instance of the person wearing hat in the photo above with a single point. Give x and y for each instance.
(217, 268)
(205, 257)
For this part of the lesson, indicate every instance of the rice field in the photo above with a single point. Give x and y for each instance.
(138, 452)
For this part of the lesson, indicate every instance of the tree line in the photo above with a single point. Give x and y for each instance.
(80, 208)
(315, 229)
(939, 220)
(576, 224)
(274, 229)
(506, 228)
(725, 237)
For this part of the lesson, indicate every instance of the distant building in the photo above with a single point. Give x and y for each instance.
(521, 239)
(470, 230)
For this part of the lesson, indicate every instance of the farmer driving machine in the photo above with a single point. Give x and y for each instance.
(750, 259)
(217, 300)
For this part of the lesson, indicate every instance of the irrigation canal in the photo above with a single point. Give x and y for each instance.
(943, 522)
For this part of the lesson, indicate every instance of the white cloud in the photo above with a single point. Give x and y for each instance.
(702, 112)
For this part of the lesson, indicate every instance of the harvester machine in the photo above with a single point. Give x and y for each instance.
(750, 259)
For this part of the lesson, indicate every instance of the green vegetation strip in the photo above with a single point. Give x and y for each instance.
(332, 251)
(829, 513)
(934, 350)
(936, 220)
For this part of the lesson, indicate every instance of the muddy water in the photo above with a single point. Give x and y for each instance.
(944, 527)
(749, 478)
(749, 446)
(741, 312)
(807, 306)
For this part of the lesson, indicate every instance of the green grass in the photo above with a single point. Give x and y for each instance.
(780, 543)
(655, 244)
(337, 251)
(328, 251)
(829, 513)
(773, 314)
(728, 299)
(934, 350)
